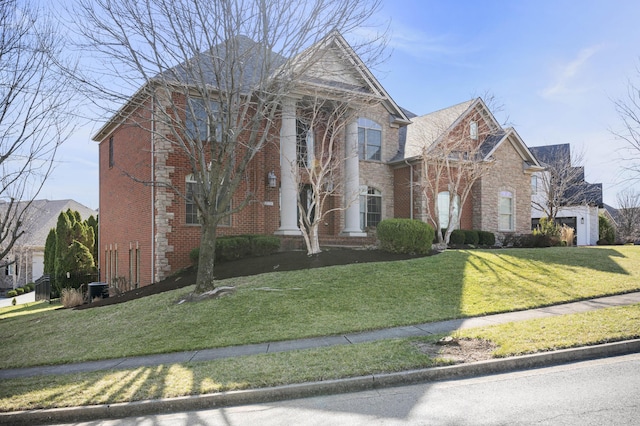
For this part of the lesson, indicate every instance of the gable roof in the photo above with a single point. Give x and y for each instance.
(580, 191)
(337, 66)
(42, 216)
(252, 61)
(493, 141)
(245, 58)
(426, 130)
(549, 153)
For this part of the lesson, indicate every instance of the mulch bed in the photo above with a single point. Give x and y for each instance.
(281, 261)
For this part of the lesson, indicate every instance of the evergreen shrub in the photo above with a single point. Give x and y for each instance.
(471, 237)
(486, 238)
(405, 236)
(457, 237)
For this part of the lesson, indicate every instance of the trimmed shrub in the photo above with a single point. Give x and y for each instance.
(262, 245)
(457, 237)
(405, 236)
(238, 247)
(232, 248)
(20, 290)
(486, 238)
(471, 237)
(12, 293)
(30, 286)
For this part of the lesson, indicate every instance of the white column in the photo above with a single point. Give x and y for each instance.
(288, 169)
(352, 184)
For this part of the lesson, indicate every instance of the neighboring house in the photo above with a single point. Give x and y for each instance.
(500, 200)
(27, 256)
(579, 201)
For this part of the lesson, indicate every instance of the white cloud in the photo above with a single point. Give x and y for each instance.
(564, 81)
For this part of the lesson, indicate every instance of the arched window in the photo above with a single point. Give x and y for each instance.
(369, 140)
(370, 207)
(505, 211)
(443, 209)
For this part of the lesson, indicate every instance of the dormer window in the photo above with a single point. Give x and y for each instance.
(473, 130)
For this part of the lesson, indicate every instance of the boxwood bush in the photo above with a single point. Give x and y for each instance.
(457, 237)
(238, 247)
(486, 238)
(471, 237)
(12, 293)
(405, 236)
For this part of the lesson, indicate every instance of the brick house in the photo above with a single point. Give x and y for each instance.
(499, 201)
(147, 230)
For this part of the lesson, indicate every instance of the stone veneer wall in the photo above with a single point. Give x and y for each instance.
(507, 174)
(378, 174)
(164, 197)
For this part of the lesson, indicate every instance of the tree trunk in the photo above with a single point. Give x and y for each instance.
(206, 260)
(314, 239)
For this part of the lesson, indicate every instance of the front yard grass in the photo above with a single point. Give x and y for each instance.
(265, 370)
(324, 301)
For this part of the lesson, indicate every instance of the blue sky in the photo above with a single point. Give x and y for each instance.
(554, 66)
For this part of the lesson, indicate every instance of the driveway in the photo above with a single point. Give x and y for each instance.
(23, 298)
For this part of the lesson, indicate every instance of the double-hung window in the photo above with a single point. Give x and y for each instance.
(505, 211)
(369, 140)
(370, 207)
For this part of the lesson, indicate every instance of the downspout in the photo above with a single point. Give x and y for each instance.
(410, 188)
(153, 188)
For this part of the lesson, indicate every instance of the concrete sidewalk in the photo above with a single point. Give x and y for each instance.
(291, 345)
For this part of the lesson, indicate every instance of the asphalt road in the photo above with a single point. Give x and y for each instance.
(604, 391)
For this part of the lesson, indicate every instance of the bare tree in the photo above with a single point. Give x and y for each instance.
(227, 64)
(628, 217)
(452, 160)
(562, 183)
(628, 110)
(321, 157)
(34, 112)
(453, 166)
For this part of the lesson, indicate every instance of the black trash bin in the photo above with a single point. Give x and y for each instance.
(98, 290)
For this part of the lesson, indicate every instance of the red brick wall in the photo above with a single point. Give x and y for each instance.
(125, 205)
(402, 192)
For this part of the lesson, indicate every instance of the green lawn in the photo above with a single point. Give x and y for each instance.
(166, 381)
(325, 301)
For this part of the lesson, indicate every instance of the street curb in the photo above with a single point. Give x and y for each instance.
(303, 390)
